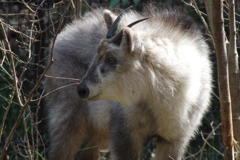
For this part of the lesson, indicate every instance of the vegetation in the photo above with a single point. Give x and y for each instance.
(28, 26)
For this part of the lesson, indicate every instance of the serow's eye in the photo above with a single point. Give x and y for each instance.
(111, 60)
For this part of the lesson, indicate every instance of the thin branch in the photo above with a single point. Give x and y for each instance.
(14, 75)
(74, 79)
(27, 139)
(193, 4)
(20, 115)
(234, 74)
(31, 31)
(205, 142)
(5, 148)
(58, 30)
(10, 101)
(53, 91)
(16, 31)
(3, 60)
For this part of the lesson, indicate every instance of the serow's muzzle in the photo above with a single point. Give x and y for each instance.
(83, 91)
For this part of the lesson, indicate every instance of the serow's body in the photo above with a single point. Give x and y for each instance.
(152, 79)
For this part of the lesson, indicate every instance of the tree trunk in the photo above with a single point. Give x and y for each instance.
(223, 78)
(234, 75)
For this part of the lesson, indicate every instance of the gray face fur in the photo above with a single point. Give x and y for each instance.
(106, 69)
(110, 62)
(153, 81)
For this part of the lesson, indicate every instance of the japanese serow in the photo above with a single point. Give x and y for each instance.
(139, 78)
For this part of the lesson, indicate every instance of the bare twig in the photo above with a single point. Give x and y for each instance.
(193, 4)
(234, 75)
(5, 114)
(5, 148)
(14, 75)
(29, 99)
(74, 79)
(16, 31)
(58, 29)
(200, 151)
(53, 91)
(31, 31)
(195, 7)
(30, 157)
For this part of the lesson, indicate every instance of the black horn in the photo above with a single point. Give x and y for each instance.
(114, 26)
(136, 22)
(117, 38)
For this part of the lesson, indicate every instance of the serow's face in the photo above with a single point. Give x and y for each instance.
(109, 71)
(104, 78)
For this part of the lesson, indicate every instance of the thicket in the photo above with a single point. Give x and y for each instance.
(28, 26)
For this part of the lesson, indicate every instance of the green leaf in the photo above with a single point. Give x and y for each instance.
(39, 155)
(113, 3)
(124, 1)
(88, 148)
(136, 1)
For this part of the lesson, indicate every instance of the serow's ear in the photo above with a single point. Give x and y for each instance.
(109, 18)
(127, 40)
(124, 39)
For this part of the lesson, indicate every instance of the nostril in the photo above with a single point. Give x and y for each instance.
(83, 91)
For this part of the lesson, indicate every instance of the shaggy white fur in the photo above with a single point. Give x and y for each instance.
(154, 82)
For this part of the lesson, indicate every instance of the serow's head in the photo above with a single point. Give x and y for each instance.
(109, 76)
